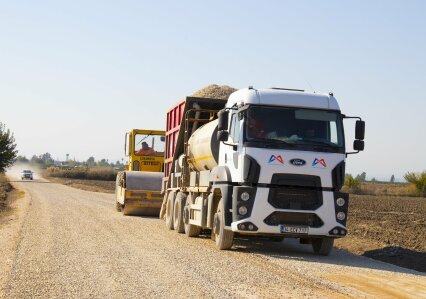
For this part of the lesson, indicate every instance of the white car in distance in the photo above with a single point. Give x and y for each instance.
(27, 175)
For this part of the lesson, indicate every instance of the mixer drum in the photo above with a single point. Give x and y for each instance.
(204, 147)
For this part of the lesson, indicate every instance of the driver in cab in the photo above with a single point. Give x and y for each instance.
(146, 150)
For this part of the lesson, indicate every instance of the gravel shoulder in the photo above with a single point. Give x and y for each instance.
(11, 221)
(71, 243)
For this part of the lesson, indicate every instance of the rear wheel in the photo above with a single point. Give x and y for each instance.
(223, 237)
(191, 230)
(169, 210)
(178, 223)
(323, 246)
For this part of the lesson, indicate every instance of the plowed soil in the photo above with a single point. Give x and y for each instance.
(388, 228)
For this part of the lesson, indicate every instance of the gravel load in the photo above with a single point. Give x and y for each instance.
(215, 91)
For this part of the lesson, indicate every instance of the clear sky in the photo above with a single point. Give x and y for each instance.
(76, 75)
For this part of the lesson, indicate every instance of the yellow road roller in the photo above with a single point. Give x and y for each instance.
(138, 188)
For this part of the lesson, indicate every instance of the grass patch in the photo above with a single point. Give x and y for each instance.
(383, 189)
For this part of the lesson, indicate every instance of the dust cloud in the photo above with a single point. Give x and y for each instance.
(15, 171)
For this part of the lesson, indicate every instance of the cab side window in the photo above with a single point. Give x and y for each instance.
(235, 128)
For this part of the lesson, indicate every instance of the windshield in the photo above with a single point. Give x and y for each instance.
(306, 129)
(149, 145)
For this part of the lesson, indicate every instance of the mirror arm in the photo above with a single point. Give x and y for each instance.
(234, 146)
(353, 117)
(351, 153)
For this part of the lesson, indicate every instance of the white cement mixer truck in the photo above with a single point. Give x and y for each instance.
(266, 162)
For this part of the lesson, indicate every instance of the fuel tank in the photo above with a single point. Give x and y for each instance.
(204, 147)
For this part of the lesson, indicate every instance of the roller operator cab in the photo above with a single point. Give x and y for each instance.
(138, 187)
(272, 164)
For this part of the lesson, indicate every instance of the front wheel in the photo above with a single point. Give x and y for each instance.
(323, 246)
(223, 237)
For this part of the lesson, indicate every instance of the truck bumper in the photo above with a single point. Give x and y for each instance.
(267, 220)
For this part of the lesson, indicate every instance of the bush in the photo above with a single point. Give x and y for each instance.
(4, 188)
(418, 180)
(83, 173)
(8, 150)
(352, 183)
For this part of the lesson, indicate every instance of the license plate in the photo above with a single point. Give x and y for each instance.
(294, 229)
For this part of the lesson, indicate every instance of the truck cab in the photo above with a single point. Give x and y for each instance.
(285, 154)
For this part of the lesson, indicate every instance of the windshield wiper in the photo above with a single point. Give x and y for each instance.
(274, 142)
(319, 142)
(144, 138)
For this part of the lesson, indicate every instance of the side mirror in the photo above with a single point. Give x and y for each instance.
(162, 138)
(360, 130)
(223, 121)
(359, 145)
(222, 135)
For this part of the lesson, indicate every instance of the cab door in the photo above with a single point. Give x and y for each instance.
(233, 148)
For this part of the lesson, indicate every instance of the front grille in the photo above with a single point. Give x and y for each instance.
(292, 218)
(295, 192)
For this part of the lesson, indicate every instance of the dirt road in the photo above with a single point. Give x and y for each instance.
(69, 243)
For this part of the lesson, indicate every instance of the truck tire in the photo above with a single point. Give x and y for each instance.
(191, 230)
(169, 210)
(178, 223)
(323, 246)
(223, 237)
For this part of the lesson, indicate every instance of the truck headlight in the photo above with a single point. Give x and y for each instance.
(340, 202)
(242, 210)
(245, 196)
(341, 216)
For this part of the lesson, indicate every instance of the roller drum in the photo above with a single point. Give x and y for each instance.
(142, 180)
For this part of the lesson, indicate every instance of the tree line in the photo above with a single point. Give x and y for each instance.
(45, 160)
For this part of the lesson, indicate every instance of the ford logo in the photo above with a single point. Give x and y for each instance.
(298, 162)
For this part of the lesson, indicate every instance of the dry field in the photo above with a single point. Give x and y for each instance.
(88, 185)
